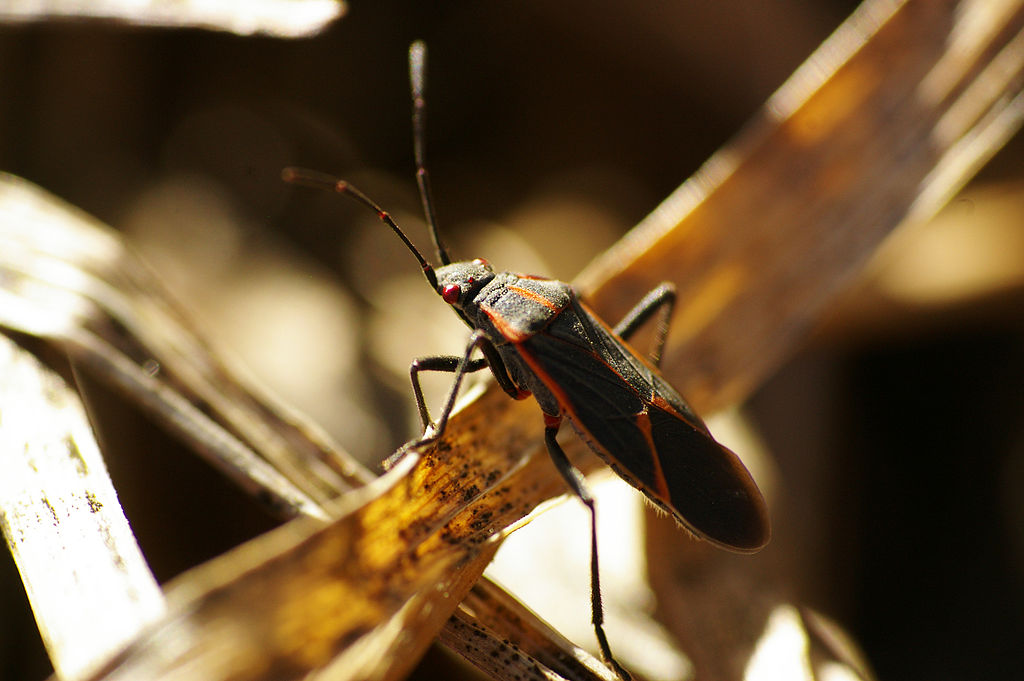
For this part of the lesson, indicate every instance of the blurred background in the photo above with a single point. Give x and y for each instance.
(552, 129)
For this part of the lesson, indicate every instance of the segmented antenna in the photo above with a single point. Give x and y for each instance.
(418, 81)
(318, 180)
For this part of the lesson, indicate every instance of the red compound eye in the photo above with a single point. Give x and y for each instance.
(450, 294)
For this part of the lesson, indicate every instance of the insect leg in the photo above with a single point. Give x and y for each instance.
(500, 373)
(661, 298)
(462, 366)
(449, 363)
(575, 481)
(465, 365)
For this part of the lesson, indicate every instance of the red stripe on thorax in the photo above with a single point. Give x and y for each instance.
(535, 297)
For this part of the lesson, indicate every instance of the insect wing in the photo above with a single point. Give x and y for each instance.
(645, 431)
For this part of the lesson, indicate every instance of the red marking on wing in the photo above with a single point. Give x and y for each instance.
(643, 422)
(663, 404)
(660, 402)
(556, 390)
(657, 400)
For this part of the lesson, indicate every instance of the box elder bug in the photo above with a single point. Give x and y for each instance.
(538, 338)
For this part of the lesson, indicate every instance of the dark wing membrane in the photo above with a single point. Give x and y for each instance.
(641, 426)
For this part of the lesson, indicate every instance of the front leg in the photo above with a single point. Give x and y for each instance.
(448, 363)
(460, 366)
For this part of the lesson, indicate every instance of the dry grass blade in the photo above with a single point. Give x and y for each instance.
(56, 502)
(280, 18)
(524, 649)
(69, 279)
(362, 597)
(881, 125)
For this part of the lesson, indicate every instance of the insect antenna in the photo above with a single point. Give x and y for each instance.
(318, 180)
(418, 81)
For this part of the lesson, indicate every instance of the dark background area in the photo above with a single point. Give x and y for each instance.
(900, 438)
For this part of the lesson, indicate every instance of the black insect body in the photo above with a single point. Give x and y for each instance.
(538, 338)
(552, 346)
